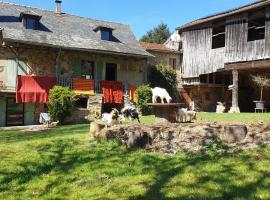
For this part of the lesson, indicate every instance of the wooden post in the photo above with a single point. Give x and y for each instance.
(235, 107)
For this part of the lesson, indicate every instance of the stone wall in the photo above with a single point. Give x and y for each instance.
(42, 62)
(204, 97)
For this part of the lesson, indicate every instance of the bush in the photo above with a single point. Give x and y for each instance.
(163, 76)
(61, 101)
(143, 96)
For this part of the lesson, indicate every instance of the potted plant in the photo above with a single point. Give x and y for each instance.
(262, 82)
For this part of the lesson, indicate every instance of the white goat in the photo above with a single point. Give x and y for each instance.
(184, 114)
(162, 94)
(181, 115)
(192, 115)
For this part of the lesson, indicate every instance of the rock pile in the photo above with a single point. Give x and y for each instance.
(170, 138)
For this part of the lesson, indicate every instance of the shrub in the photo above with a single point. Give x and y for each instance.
(143, 96)
(61, 101)
(163, 76)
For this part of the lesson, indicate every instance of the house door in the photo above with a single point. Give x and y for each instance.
(111, 72)
(14, 113)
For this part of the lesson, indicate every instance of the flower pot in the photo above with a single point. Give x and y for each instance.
(259, 104)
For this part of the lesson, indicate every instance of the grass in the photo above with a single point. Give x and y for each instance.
(66, 163)
(235, 117)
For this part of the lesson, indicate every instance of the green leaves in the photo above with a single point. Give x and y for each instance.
(157, 35)
(60, 103)
(143, 97)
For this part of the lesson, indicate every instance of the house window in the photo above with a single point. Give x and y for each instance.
(106, 35)
(172, 62)
(87, 69)
(218, 37)
(256, 29)
(31, 24)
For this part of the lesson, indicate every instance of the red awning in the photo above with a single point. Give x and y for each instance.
(34, 89)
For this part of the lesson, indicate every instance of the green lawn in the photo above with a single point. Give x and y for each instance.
(65, 163)
(235, 117)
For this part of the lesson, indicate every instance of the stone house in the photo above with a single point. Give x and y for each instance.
(78, 52)
(224, 50)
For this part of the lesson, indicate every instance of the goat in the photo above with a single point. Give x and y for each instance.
(181, 115)
(112, 118)
(192, 115)
(130, 112)
(162, 94)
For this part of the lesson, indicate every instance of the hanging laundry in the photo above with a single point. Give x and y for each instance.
(132, 90)
(112, 91)
(34, 89)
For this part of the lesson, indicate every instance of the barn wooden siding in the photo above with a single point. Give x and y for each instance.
(199, 57)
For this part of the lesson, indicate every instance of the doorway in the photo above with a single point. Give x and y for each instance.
(111, 72)
(14, 113)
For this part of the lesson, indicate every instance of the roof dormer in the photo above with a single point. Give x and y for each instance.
(30, 20)
(106, 33)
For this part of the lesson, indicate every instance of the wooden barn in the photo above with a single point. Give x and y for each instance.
(226, 49)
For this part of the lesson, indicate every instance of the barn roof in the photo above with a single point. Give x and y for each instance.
(67, 31)
(218, 16)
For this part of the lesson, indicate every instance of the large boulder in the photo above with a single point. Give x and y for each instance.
(234, 133)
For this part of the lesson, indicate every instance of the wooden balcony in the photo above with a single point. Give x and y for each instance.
(87, 86)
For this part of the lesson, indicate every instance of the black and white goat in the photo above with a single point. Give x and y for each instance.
(130, 112)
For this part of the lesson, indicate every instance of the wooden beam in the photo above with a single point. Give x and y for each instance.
(260, 64)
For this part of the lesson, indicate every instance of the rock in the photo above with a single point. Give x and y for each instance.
(171, 138)
(235, 133)
(96, 129)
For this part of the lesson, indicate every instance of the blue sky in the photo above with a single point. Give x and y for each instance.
(141, 15)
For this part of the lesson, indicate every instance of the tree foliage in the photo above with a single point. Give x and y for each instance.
(157, 35)
(61, 101)
(262, 82)
(163, 76)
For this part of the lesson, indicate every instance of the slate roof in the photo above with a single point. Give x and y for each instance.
(157, 47)
(217, 16)
(67, 31)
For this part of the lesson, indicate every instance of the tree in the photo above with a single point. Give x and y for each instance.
(262, 82)
(157, 35)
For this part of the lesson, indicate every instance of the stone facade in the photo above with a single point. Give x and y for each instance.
(41, 61)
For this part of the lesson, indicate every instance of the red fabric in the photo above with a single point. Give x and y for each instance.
(34, 89)
(132, 90)
(83, 84)
(112, 91)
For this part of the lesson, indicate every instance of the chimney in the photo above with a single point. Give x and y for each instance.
(58, 7)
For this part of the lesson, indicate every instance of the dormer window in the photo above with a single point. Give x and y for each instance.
(31, 24)
(105, 33)
(30, 20)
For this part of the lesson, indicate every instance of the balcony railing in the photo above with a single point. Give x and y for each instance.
(86, 85)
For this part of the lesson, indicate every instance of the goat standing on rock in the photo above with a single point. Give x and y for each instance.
(162, 94)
